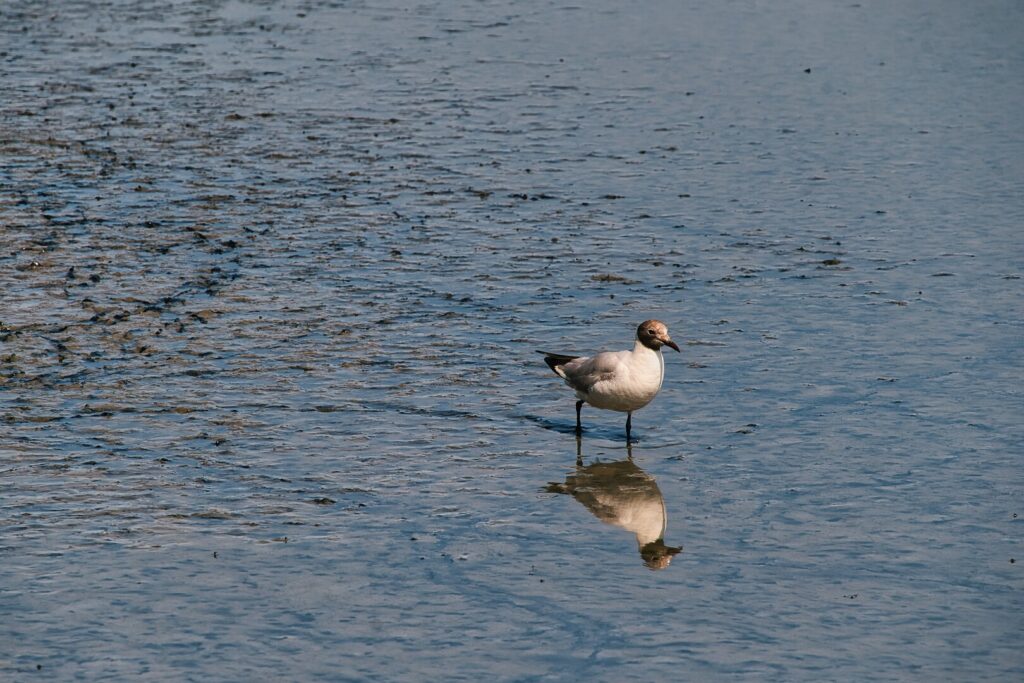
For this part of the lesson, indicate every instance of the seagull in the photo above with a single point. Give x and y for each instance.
(617, 380)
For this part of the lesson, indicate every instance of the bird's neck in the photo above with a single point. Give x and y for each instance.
(640, 349)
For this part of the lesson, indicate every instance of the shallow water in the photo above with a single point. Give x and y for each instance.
(273, 275)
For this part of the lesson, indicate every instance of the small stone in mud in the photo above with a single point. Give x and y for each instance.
(831, 262)
(324, 501)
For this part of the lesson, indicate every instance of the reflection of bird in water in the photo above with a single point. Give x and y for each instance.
(623, 495)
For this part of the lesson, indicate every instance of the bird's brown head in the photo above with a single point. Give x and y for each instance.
(654, 334)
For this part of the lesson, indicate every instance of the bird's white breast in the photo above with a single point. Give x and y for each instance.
(633, 384)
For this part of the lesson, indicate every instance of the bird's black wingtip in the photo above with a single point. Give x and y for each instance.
(556, 359)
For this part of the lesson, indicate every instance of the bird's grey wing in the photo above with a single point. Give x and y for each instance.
(583, 373)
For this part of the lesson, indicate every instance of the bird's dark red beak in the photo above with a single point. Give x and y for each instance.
(671, 344)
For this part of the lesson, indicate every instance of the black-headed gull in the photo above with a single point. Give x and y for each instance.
(617, 380)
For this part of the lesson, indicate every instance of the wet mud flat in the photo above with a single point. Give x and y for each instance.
(273, 275)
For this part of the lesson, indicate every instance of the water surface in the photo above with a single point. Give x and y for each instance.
(273, 275)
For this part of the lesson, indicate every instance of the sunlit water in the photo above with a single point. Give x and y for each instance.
(272, 281)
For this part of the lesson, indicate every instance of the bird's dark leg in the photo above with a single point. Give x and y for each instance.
(629, 423)
(579, 425)
(579, 451)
